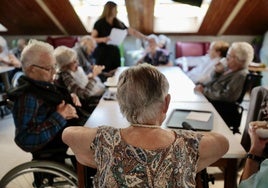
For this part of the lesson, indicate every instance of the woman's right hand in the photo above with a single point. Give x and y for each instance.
(105, 39)
(257, 143)
(67, 111)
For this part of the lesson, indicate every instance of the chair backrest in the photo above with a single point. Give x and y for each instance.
(258, 103)
(68, 41)
(191, 48)
(252, 80)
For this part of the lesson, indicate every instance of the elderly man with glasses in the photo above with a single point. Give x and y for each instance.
(42, 109)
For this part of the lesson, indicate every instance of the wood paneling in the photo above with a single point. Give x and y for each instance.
(251, 20)
(141, 15)
(217, 14)
(26, 17)
(64, 12)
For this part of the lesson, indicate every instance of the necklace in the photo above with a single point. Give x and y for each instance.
(147, 126)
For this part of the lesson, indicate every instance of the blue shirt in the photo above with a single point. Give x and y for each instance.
(257, 180)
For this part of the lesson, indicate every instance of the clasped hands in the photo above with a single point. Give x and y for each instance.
(67, 110)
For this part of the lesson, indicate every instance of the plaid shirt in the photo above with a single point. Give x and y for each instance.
(36, 120)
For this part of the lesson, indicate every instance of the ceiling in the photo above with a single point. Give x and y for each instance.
(57, 17)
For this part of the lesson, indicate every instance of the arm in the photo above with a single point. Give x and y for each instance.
(257, 147)
(92, 88)
(228, 88)
(212, 147)
(79, 140)
(95, 34)
(136, 33)
(36, 124)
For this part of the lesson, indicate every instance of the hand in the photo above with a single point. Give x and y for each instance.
(14, 61)
(76, 99)
(257, 143)
(199, 88)
(67, 111)
(106, 39)
(96, 70)
(219, 67)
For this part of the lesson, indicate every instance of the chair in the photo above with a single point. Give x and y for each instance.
(68, 41)
(231, 112)
(191, 48)
(258, 104)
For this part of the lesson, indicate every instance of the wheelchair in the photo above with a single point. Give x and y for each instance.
(42, 172)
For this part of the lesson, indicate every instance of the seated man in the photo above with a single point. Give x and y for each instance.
(41, 109)
(85, 49)
(201, 73)
(88, 88)
(227, 84)
(153, 54)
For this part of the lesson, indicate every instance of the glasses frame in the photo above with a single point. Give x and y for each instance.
(52, 68)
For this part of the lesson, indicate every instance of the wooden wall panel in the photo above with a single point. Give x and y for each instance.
(141, 15)
(251, 20)
(25, 17)
(218, 12)
(64, 12)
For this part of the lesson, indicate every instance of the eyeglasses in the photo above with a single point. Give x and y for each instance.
(48, 69)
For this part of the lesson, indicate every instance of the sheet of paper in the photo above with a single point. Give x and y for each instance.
(117, 36)
(199, 116)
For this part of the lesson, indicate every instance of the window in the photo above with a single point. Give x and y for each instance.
(185, 18)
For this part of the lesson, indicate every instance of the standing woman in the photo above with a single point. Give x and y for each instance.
(108, 54)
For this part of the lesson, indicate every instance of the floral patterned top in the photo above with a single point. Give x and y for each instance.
(122, 165)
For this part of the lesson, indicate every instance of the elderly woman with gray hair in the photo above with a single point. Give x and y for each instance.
(144, 154)
(227, 83)
(88, 88)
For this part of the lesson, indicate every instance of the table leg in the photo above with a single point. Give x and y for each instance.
(230, 167)
(230, 173)
(81, 175)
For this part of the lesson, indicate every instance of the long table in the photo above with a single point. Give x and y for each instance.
(183, 97)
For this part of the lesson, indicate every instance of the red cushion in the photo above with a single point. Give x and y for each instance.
(191, 48)
(68, 41)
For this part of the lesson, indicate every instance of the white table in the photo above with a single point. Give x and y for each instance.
(181, 88)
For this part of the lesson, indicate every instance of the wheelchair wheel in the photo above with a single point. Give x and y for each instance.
(40, 174)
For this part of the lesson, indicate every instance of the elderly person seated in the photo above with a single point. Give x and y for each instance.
(42, 110)
(144, 154)
(88, 88)
(84, 49)
(201, 73)
(153, 54)
(227, 83)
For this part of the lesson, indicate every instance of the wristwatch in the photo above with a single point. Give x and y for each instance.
(255, 157)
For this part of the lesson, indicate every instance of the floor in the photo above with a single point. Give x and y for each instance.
(12, 155)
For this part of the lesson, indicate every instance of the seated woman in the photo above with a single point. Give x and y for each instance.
(153, 54)
(144, 154)
(88, 88)
(201, 73)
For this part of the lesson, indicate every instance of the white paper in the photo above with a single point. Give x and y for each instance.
(199, 116)
(117, 36)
